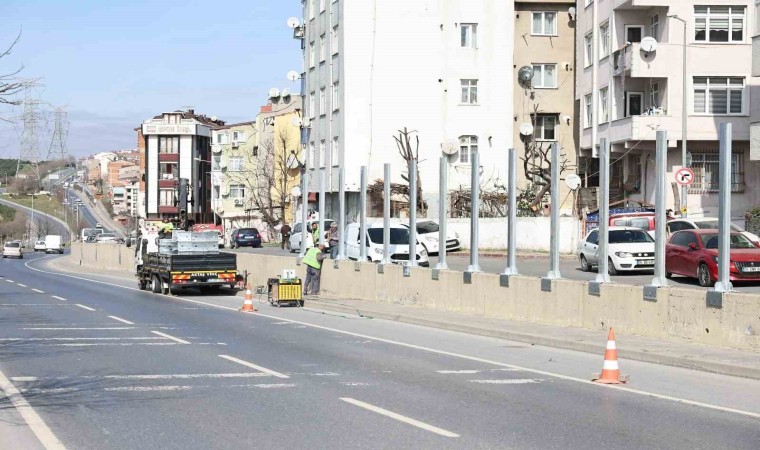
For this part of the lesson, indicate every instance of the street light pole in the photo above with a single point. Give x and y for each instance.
(684, 114)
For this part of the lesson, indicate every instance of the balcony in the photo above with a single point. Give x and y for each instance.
(631, 61)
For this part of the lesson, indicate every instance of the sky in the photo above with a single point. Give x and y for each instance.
(115, 63)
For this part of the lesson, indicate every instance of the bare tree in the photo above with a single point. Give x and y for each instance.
(404, 144)
(42, 225)
(10, 84)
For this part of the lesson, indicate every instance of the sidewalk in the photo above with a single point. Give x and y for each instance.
(740, 363)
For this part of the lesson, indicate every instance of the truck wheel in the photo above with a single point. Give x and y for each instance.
(142, 284)
(156, 286)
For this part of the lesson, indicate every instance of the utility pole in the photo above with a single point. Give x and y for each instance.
(684, 113)
(29, 146)
(60, 134)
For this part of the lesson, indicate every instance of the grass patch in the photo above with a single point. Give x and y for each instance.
(46, 204)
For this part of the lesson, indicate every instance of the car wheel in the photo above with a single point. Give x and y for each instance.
(703, 276)
(668, 275)
(612, 270)
(585, 266)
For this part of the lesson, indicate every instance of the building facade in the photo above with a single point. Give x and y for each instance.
(629, 90)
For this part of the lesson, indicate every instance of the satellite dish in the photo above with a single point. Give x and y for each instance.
(294, 23)
(648, 44)
(449, 147)
(293, 75)
(573, 181)
(292, 162)
(274, 93)
(213, 118)
(526, 129)
(525, 76)
(297, 122)
(285, 92)
(296, 191)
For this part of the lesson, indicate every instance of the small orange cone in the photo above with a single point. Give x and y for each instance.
(610, 370)
(248, 304)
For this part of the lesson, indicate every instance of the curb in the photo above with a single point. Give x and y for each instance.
(586, 347)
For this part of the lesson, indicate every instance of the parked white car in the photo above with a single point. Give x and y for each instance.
(704, 223)
(294, 243)
(39, 246)
(399, 244)
(629, 249)
(427, 235)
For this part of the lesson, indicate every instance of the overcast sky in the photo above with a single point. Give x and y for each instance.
(115, 63)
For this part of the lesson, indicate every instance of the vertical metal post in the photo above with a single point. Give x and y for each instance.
(684, 120)
(342, 213)
(554, 239)
(322, 215)
(475, 207)
(661, 158)
(442, 212)
(386, 214)
(724, 210)
(363, 215)
(603, 274)
(413, 212)
(304, 208)
(512, 213)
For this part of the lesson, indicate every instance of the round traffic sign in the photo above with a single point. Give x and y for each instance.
(684, 176)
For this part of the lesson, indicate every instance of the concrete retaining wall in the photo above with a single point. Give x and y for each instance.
(677, 313)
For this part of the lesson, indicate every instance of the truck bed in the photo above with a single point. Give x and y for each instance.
(192, 263)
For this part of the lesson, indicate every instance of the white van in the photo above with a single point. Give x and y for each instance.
(294, 242)
(53, 244)
(399, 244)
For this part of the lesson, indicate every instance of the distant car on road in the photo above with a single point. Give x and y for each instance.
(706, 223)
(294, 243)
(399, 245)
(245, 237)
(54, 244)
(105, 238)
(630, 249)
(13, 250)
(427, 234)
(694, 253)
(39, 246)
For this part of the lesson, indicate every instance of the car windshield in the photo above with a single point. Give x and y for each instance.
(427, 227)
(737, 241)
(107, 235)
(399, 236)
(629, 236)
(92, 231)
(13, 244)
(713, 225)
(248, 232)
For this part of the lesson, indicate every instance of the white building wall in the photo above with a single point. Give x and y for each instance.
(151, 150)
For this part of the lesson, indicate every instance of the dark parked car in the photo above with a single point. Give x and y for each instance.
(245, 237)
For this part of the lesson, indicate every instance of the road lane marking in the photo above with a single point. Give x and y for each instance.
(58, 298)
(76, 328)
(38, 291)
(30, 416)
(400, 418)
(9, 281)
(168, 336)
(147, 388)
(109, 344)
(431, 350)
(149, 338)
(85, 307)
(467, 372)
(254, 366)
(22, 285)
(122, 320)
(515, 381)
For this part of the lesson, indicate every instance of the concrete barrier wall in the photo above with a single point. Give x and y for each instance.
(677, 313)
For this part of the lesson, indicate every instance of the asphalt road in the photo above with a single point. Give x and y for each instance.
(106, 366)
(538, 265)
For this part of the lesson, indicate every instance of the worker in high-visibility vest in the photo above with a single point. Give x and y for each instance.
(313, 262)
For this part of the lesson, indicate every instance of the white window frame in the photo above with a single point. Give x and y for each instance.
(312, 9)
(467, 145)
(237, 191)
(167, 197)
(238, 136)
(543, 31)
(321, 5)
(604, 40)
(322, 153)
(604, 113)
(237, 164)
(334, 155)
(654, 26)
(541, 122)
(641, 28)
(542, 69)
(468, 35)
(322, 102)
(712, 84)
(168, 145)
(312, 104)
(708, 16)
(628, 95)
(588, 105)
(312, 54)
(654, 95)
(588, 49)
(312, 155)
(322, 48)
(334, 39)
(335, 96)
(469, 91)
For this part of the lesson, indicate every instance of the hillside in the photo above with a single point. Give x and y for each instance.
(9, 166)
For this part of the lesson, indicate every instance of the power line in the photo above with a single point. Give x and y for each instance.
(58, 147)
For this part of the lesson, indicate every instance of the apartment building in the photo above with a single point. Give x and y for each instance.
(628, 91)
(443, 69)
(545, 41)
(178, 145)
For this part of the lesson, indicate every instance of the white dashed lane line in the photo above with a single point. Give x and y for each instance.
(22, 285)
(9, 281)
(254, 366)
(400, 418)
(85, 307)
(37, 291)
(168, 336)
(121, 320)
(58, 298)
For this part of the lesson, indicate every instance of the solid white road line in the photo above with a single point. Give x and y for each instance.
(148, 388)
(74, 328)
(122, 320)
(516, 381)
(400, 418)
(167, 336)
(149, 338)
(85, 307)
(468, 372)
(254, 366)
(22, 285)
(434, 351)
(58, 298)
(30, 416)
(38, 291)
(179, 376)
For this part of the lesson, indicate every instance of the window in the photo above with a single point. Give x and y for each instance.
(604, 40)
(593, 237)
(334, 155)
(544, 76)
(167, 197)
(322, 50)
(312, 9)
(322, 155)
(545, 129)
(238, 136)
(469, 35)
(719, 23)
(470, 92)
(322, 102)
(334, 40)
(237, 191)
(634, 33)
(216, 163)
(312, 105)
(588, 110)
(654, 95)
(544, 23)
(168, 144)
(588, 54)
(335, 97)
(167, 171)
(705, 167)
(222, 138)
(312, 54)
(312, 156)
(654, 26)
(237, 164)
(321, 5)
(603, 112)
(467, 146)
(718, 95)
(633, 180)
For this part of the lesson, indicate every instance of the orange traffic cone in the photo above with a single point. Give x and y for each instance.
(248, 304)
(610, 371)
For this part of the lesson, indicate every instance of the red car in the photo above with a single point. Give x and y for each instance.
(694, 253)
